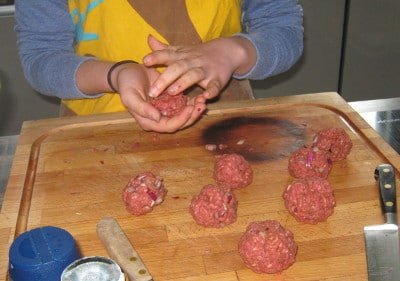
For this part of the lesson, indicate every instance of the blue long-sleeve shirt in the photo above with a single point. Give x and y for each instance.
(46, 36)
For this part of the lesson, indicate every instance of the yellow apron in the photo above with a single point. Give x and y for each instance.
(117, 30)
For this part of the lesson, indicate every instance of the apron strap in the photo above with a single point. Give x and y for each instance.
(170, 18)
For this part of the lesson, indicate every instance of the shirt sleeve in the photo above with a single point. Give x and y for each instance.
(275, 28)
(45, 40)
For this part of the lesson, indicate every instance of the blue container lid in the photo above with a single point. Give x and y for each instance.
(41, 254)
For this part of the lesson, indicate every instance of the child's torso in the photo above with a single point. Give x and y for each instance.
(116, 30)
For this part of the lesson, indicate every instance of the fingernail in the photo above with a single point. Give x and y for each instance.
(152, 92)
(172, 89)
(154, 117)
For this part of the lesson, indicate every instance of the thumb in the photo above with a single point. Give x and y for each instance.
(212, 89)
(155, 44)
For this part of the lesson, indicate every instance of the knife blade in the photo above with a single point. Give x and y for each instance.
(121, 250)
(382, 241)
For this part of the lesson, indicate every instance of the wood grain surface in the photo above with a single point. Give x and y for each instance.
(69, 172)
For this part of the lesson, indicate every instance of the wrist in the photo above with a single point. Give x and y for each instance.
(245, 54)
(112, 73)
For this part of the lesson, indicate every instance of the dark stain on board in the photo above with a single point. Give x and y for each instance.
(255, 138)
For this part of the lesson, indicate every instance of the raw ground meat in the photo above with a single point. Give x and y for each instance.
(232, 171)
(335, 141)
(309, 162)
(267, 247)
(169, 105)
(310, 200)
(214, 207)
(143, 192)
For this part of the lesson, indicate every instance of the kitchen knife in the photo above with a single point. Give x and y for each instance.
(121, 250)
(382, 241)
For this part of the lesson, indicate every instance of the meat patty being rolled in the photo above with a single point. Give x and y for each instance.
(143, 192)
(214, 207)
(169, 105)
(335, 141)
(310, 200)
(267, 247)
(309, 162)
(232, 171)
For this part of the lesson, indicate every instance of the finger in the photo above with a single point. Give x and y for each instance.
(178, 121)
(197, 100)
(155, 44)
(162, 57)
(198, 104)
(198, 111)
(169, 125)
(146, 123)
(168, 77)
(177, 78)
(165, 124)
(138, 106)
(212, 89)
(185, 80)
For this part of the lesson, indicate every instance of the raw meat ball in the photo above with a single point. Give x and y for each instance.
(214, 207)
(310, 200)
(267, 247)
(169, 105)
(143, 192)
(309, 162)
(232, 171)
(335, 141)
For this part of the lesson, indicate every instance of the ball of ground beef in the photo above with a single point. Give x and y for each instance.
(232, 171)
(309, 162)
(214, 206)
(335, 141)
(169, 105)
(310, 200)
(143, 192)
(267, 247)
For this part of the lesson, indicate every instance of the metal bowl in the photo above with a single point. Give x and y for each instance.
(95, 268)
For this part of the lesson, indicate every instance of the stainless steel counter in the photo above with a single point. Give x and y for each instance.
(384, 116)
(7, 10)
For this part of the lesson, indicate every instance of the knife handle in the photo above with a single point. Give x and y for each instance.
(385, 176)
(121, 250)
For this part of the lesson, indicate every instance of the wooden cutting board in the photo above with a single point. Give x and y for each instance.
(69, 172)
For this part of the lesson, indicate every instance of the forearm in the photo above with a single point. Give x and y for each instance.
(91, 77)
(244, 53)
(54, 74)
(275, 28)
(45, 37)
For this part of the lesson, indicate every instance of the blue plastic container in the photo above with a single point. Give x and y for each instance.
(41, 254)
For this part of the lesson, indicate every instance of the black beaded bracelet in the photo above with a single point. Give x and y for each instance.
(112, 69)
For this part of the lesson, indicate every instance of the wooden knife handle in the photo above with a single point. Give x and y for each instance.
(385, 176)
(121, 250)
